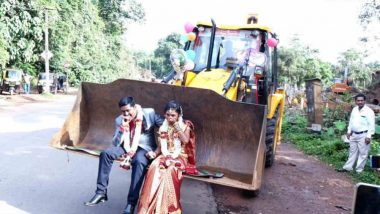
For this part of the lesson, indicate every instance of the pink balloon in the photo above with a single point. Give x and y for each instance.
(272, 42)
(189, 27)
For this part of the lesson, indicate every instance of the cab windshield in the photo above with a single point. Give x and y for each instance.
(13, 74)
(231, 47)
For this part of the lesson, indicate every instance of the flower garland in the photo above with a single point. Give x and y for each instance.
(166, 132)
(134, 135)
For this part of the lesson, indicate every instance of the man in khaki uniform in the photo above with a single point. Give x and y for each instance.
(360, 130)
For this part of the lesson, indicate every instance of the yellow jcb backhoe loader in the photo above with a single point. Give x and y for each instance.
(230, 95)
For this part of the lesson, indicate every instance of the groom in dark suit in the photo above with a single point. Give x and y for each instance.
(135, 126)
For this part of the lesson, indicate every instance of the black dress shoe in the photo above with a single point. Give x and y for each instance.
(129, 209)
(98, 198)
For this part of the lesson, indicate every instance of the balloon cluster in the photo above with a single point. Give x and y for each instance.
(190, 35)
(184, 60)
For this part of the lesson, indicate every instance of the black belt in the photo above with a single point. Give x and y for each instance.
(361, 132)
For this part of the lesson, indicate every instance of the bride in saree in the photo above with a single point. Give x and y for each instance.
(161, 190)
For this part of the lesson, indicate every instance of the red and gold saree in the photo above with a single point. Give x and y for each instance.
(161, 190)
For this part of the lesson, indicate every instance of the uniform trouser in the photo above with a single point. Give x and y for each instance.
(139, 169)
(358, 150)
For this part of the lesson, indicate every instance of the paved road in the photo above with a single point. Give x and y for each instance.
(35, 178)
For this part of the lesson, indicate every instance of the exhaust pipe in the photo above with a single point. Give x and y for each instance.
(212, 39)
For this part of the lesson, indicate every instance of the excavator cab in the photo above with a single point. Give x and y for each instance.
(241, 51)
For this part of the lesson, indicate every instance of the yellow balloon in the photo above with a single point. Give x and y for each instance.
(191, 36)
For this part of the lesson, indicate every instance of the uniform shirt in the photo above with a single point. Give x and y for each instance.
(362, 120)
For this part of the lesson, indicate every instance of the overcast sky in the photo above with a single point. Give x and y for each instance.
(331, 26)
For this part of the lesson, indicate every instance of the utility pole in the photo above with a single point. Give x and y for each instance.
(47, 86)
(47, 54)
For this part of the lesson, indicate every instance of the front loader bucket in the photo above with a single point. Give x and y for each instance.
(230, 136)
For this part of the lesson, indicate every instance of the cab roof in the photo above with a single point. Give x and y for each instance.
(237, 27)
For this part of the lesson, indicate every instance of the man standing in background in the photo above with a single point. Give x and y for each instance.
(360, 130)
(27, 78)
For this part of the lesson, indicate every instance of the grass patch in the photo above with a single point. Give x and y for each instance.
(47, 95)
(326, 146)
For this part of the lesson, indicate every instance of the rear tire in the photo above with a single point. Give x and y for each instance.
(270, 140)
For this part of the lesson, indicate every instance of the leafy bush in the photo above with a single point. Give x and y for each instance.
(375, 148)
(331, 116)
(340, 126)
(293, 122)
(347, 97)
(377, 129)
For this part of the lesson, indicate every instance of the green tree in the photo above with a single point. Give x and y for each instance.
(90, 38)
(359, 73)
(300, 62)
(85, 34)
(21, 31)
(4, 56)
(116, 13)
(374, 66)
(161, 59)
(370, 21)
